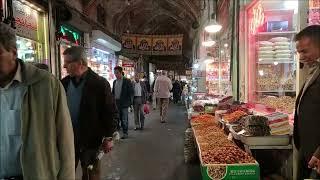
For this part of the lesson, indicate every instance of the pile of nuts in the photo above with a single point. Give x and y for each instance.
(284, 103)
(216, 172)
(205, 118)
(219, 139)
(226, 155)
(235, 116)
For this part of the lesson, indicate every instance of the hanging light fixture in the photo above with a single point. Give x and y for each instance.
(212, 26)
(208, 41)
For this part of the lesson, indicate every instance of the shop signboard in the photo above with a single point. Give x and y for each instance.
(127, 64)
(257, 18)
(159, 45)
(26, 20)
(144, 44)
(175, 44)
(152, 44)
(314, 12)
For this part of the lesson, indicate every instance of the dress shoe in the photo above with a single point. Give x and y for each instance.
(125, 136)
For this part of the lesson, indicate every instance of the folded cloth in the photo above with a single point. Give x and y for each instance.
(266, 48)
(280, 51)
(266, 59)
(279, 39)
(265, 43)
(266, 52)
(283, 56)
(283, 59)
(283, 47)
(265, 56)
(281, 43)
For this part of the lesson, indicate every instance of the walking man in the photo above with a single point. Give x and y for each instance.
(306, 124)
(162, 89)
(140, 98)
(35, 126)
(92, 110)
(122, 91)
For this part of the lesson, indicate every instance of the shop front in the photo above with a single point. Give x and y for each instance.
(128, 66)
(32, 32)
(70, 37)
(102, 58)
(271, 61)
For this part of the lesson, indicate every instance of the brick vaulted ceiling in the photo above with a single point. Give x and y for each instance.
(155, 17)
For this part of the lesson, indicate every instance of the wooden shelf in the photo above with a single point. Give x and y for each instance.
(276, 33)
(276, 91)
(272, 62)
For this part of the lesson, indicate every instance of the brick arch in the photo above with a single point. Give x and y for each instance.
(139, 6)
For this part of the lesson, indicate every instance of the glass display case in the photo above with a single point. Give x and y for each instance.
(102, 63)
(271, 54)
(29, 50)
(218, 72)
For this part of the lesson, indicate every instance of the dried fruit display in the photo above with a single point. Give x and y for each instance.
(204, 129)
(217, 172)
(256, 126)
(214, 137)
(215, 143)
(205, 118)
(235, 108)
(284, 103)
(226, 155)
(235, 116)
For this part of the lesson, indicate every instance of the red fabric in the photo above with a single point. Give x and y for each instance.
(146, 109)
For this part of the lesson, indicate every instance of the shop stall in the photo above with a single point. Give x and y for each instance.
(252, 130)
(128, 66)
(71, 37)
(270, 54)
(32, 32)
(102, 58)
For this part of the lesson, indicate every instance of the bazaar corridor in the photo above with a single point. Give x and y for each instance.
(153, 154)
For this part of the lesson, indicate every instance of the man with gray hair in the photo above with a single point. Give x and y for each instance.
(92, 108)
(35, 126)
(162, 88)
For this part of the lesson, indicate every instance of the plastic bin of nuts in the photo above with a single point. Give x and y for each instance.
(221, 159)
(228, 162)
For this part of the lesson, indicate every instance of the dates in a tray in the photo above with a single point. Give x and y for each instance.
(226, 155)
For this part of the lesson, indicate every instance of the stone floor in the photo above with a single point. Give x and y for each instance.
(153, 154)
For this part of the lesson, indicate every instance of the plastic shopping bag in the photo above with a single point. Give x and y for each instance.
(146, 109)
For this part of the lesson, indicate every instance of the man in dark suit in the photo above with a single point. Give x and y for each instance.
(306, 122)
(122, 91)
(92, 109)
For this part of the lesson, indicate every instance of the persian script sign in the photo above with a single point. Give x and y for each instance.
(26, 20)
(152, 44)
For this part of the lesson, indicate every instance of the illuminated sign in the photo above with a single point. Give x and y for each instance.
(26, 20)
(70, 35)
(257, 19)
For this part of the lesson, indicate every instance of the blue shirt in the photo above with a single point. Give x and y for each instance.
(74, 95)
(11, 98)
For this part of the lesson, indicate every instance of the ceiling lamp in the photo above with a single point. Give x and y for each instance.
(208, 43)
(213, 26)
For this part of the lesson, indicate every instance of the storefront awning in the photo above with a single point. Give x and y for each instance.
(105, 40)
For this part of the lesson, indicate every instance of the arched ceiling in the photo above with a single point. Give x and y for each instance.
(155, 17)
